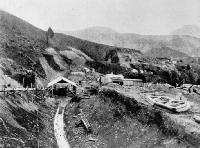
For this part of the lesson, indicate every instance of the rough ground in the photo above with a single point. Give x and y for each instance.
(116, 121)
(26, 124)
(116, 125)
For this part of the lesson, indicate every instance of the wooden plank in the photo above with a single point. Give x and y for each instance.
(19, 89)
(85, 122)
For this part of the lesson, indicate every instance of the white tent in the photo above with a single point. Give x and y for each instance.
(60, 79)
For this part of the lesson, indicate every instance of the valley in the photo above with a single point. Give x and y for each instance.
(56, 90)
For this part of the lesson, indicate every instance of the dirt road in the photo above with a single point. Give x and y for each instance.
(59, 126)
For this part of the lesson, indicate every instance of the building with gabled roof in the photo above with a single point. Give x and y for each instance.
(61, 80)
(62, 86)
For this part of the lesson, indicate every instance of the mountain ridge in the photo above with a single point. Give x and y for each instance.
(191, 30)
(182, 43)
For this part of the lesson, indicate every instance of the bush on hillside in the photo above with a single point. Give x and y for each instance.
(106, 68)
(27, 79)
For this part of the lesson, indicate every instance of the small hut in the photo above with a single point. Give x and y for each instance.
(111, 78)
(62, 86)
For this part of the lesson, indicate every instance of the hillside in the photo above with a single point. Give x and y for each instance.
(32, 57)
(10, 24)
(97, 34)
(183, 43)
(27, 47)
(191, 30)
(29, 55)
(164, 52)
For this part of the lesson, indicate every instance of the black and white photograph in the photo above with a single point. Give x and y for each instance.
(99, 74)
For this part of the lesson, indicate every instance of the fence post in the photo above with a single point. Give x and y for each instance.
(4, 93)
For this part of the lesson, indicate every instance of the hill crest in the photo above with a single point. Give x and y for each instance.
(183, 43)
(191, 30)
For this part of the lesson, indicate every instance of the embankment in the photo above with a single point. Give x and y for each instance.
(176, 125)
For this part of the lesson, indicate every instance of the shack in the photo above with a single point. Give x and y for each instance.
(62, 86)
(111, 78)
(133, 82)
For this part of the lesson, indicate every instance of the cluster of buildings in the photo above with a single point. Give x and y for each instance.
(62, 86)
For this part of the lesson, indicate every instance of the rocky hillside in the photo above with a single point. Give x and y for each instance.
(46, 53)
(183, 43)
(10, 24)
(29, 55)
(165, 52)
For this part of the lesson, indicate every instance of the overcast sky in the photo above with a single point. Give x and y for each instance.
(133, 16)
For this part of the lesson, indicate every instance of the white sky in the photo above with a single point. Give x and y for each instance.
(133, 16)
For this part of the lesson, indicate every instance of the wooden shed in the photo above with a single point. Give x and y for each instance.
(62, 86)
(111, 78)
